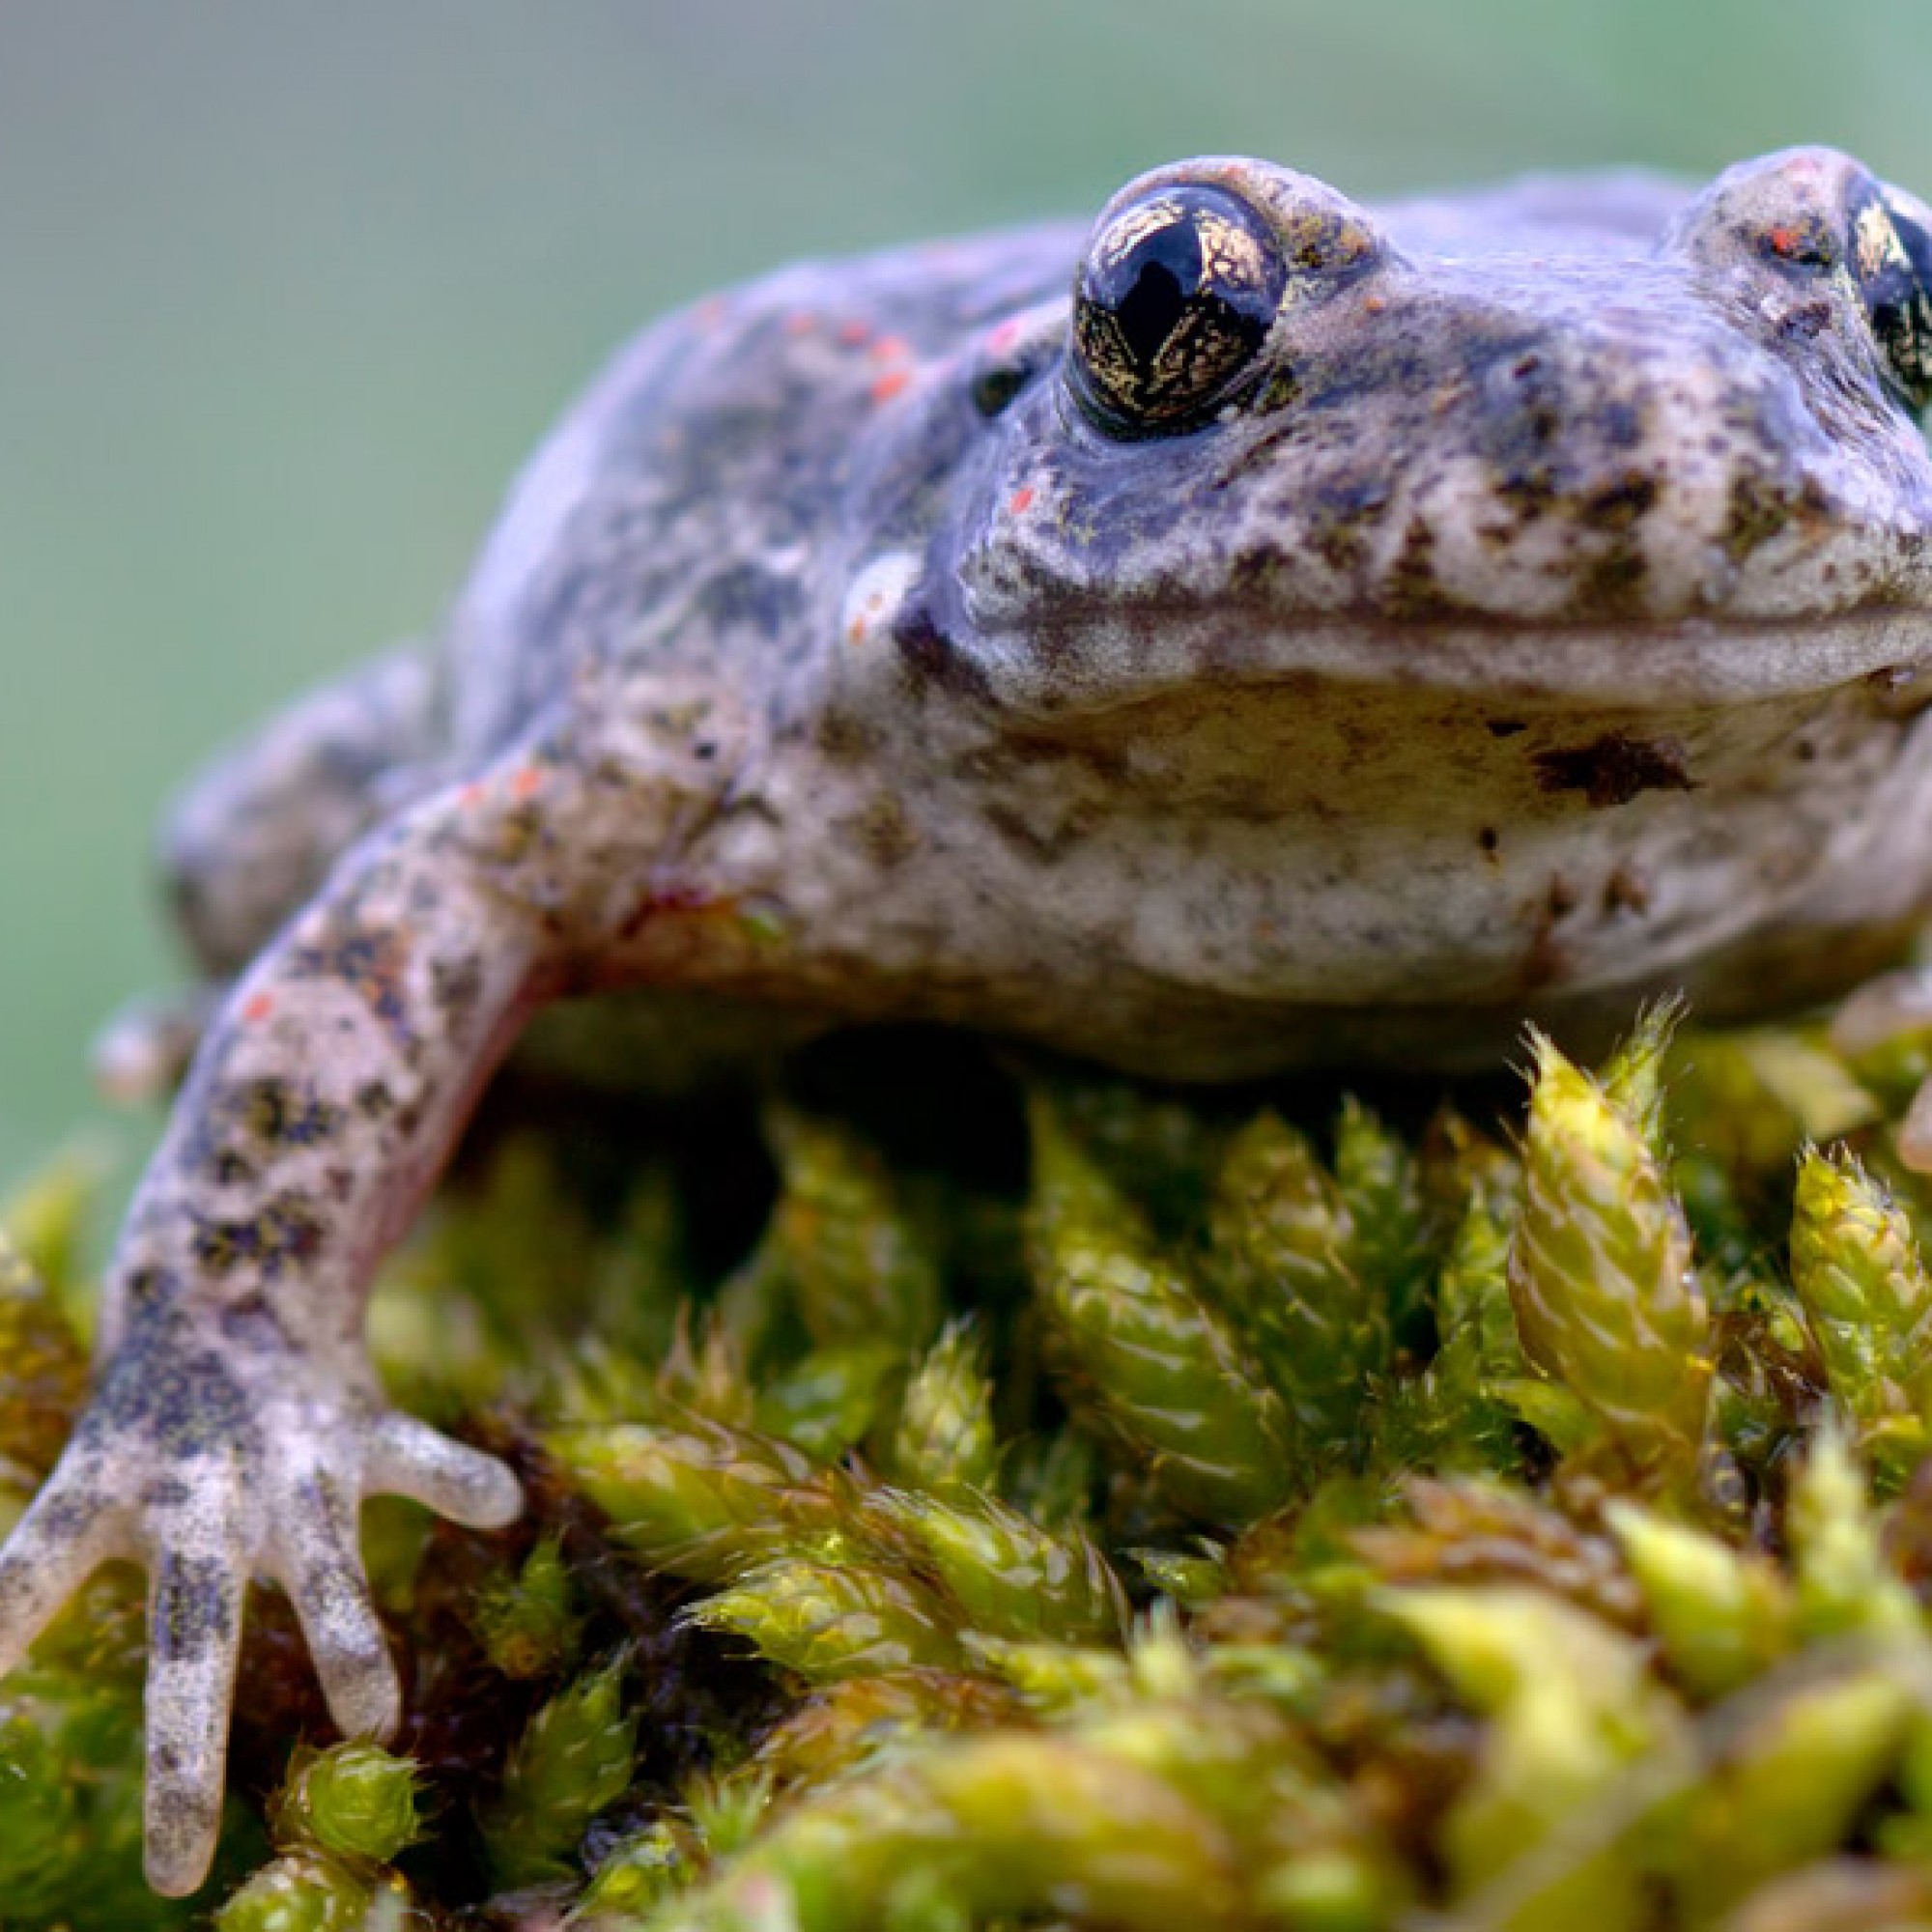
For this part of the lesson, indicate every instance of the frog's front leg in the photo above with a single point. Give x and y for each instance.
(237, 1424)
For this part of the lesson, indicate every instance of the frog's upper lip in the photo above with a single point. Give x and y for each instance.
(1696, 661)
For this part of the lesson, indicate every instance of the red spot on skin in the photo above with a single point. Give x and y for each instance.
(1004, 337)
(527, 781)
(258, 1006)
(800, 322)
(1021, 501)
(890, 384)
(1785, 240)
(891, 349)
(472, 795)
(855, 331)
(711, 312)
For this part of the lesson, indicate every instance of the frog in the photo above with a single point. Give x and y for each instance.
(1251, 629)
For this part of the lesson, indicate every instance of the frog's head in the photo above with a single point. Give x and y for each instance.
(1571, 441)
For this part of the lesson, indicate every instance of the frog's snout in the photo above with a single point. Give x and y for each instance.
(1636, 465)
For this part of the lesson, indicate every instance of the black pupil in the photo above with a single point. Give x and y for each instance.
(1163, 274)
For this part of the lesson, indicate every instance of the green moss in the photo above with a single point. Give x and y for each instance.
(1295, 1518)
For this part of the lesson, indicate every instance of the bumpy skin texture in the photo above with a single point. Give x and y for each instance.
(1543, 615)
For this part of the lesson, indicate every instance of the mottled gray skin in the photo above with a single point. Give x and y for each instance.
(1547, 622)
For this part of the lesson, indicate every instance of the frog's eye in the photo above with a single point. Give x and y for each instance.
(1171, 306)
(1891, 261)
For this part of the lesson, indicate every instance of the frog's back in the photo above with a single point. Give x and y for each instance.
(688, 509)
(1616, 215)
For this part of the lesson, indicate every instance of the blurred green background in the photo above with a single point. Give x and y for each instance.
(287, 290)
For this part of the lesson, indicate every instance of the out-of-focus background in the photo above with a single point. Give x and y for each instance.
(286, 291)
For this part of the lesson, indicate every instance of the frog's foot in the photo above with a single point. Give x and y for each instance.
(207, 1476)
(1887, 1013)
(143, 1052)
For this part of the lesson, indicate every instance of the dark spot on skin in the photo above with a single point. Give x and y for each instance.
(1411, 587)
(457, 985)
(371, 963)
(150, 1287)
(1755, 512)
(885, 832)
(251, 1323)
(374, 1100)
(749, 597)
(1504, 727)
(246, 1116)
(1622, 424)
(166, 1492)
(66, 1517)
(1490, 840)
(1020, 832)
(192, 1608)
(1342, 517)
(841, 734)
(284, 1233)
(1282, 386)
(1804, 323)
(1622, 504)
(932, 655)
(993, 388)
(165, 1390)
(1614, 768)
(1626, 890)
(278, 1113)
(1613, 582)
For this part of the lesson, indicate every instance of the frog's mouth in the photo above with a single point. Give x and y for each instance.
(1133, 659)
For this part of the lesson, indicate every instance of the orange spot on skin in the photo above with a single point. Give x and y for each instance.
(890, 384)
(891, 349)
(258, 1006)
(1021, 501)
(855, 630)
(855, 331)
(527, 781)
(1375, 305)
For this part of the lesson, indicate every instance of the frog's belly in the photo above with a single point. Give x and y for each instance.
(1240, 883)
(1227, 888)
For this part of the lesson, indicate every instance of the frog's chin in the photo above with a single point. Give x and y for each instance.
(1701, 662)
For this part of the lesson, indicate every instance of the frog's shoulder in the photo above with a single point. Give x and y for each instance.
(1616, 211)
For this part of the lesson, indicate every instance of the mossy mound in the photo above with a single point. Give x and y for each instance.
(1173, 1513)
